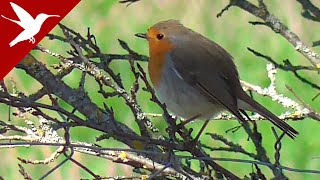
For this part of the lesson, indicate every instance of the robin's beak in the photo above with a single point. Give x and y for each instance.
(141, 35)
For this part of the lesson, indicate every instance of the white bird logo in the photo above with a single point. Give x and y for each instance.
(31, 26)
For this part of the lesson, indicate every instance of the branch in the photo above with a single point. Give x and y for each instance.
(277, 26)
(310, 10)
(77, 99)
(85, 147)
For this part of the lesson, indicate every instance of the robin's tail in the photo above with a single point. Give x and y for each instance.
(247, 103)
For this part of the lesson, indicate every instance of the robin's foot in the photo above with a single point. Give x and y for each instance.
(179, 126)
(193, 143)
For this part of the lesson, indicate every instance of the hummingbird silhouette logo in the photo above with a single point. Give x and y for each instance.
(31, 26)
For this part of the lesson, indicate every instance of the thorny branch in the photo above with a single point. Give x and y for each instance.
(154, 154)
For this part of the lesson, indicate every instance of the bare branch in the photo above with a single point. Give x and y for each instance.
(310, 10)
(277, 26)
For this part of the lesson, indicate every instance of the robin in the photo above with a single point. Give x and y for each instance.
(195, 77)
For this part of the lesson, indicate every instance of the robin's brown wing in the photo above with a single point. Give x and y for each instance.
(209, 68)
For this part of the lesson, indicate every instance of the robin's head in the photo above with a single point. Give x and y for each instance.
(162, 30)
(164, 35)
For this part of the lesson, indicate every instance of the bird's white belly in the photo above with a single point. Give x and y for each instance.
(181, 98)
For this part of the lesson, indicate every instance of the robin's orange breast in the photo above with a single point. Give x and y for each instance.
(157, 51)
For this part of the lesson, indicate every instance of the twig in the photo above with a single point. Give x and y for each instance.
(81, 147)
(129, 2)
(232, 146)
(271, 92)
(287, 66)
(24, 173)
(48, 160)
(311, 112)
(310, 10)
(277, 26)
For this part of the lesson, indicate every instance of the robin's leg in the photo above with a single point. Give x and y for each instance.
(195, 140)
(180, 125)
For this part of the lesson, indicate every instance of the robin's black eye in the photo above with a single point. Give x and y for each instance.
(160, 36)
